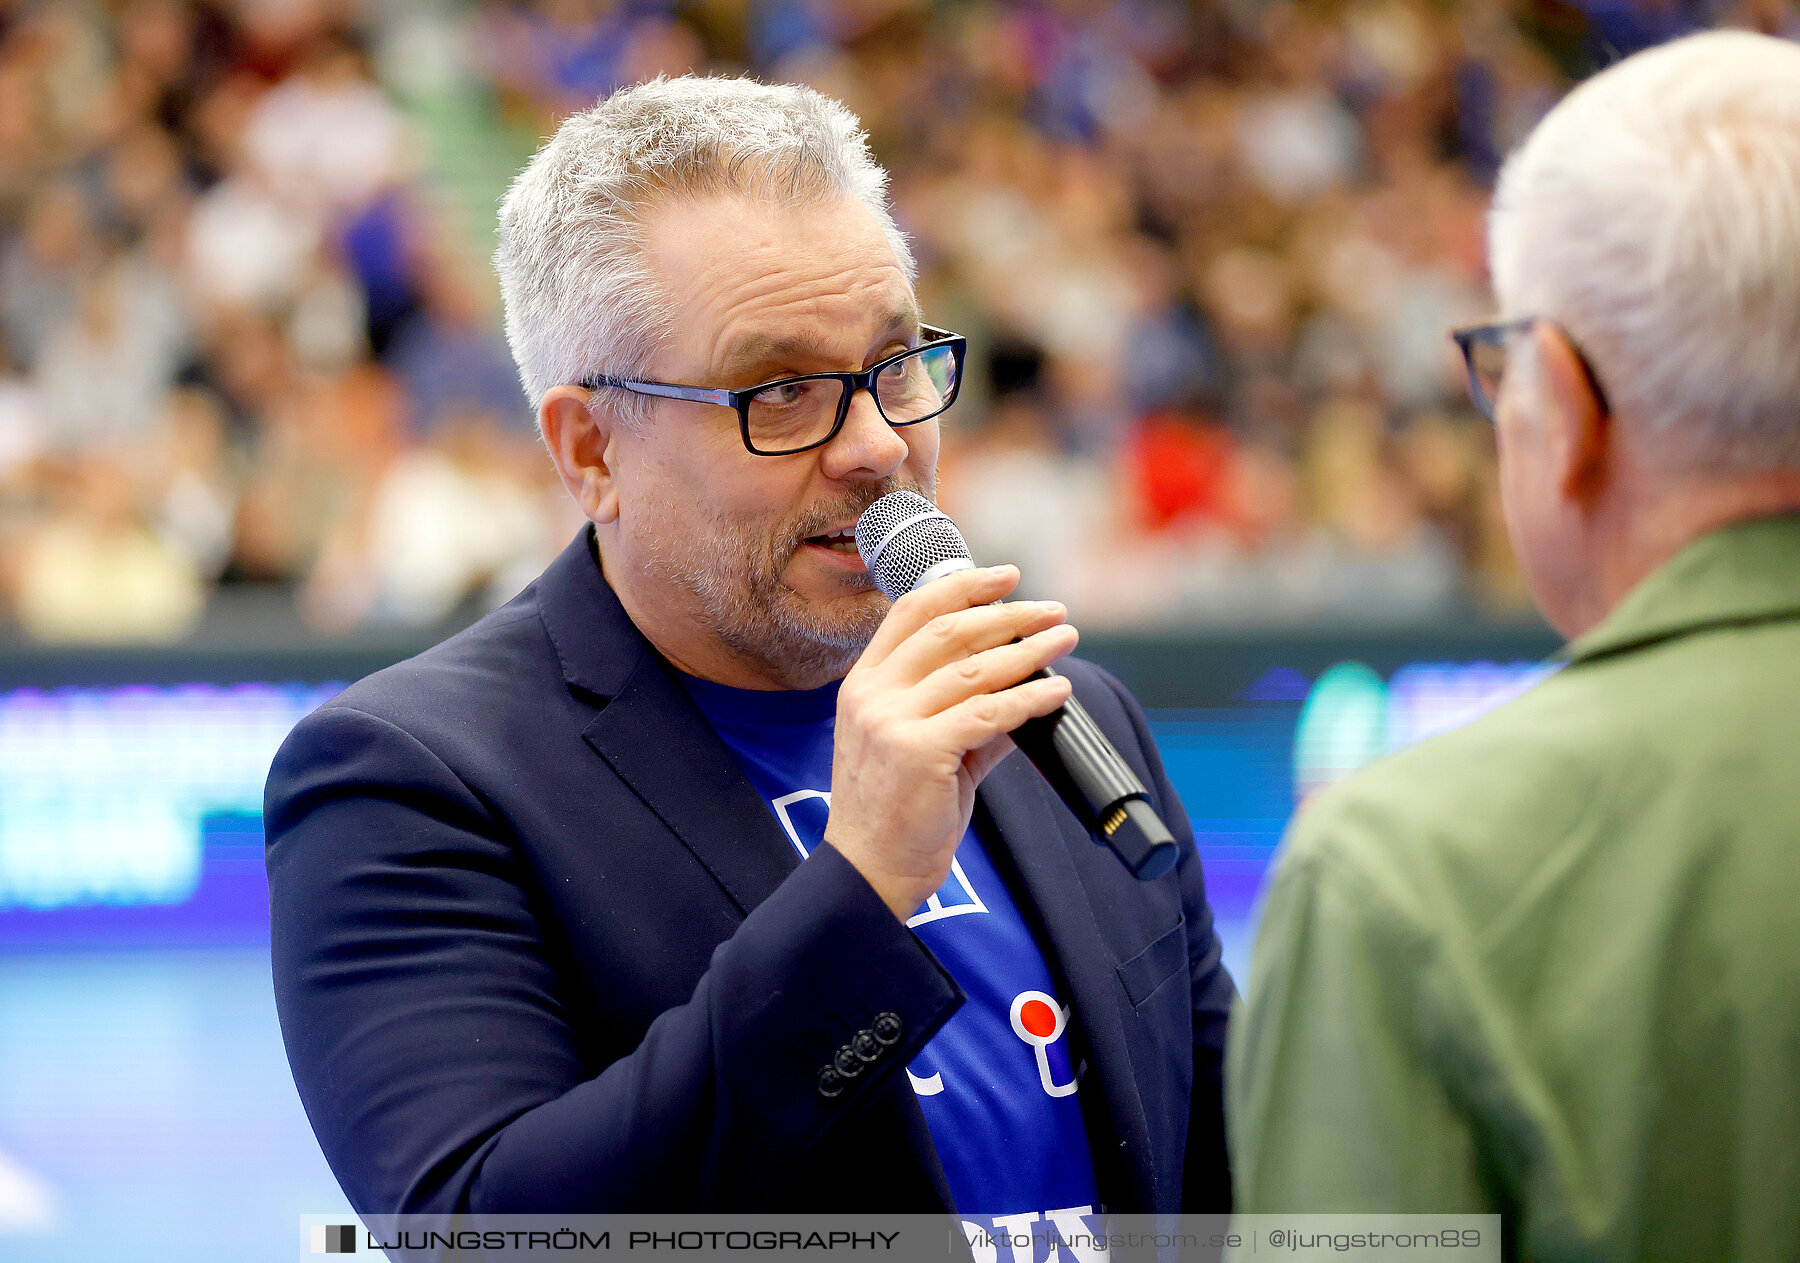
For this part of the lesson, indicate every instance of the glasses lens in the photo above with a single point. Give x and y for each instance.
(918, 386)
(792, 415)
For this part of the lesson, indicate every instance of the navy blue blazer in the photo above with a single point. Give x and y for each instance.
(540, 947)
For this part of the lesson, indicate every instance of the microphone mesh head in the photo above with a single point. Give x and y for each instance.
(901, 536)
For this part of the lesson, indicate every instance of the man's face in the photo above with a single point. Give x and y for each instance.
(731, 541)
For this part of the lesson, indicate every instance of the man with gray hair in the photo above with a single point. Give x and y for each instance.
(699, 877)
(1545, 965)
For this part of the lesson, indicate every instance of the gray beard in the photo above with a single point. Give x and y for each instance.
(740, 597)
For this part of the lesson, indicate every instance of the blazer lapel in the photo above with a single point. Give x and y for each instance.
(1036, 832)
(660, 744)
(651, 733)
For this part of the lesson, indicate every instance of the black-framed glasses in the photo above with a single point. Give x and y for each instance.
(1484, 349)
(797, 414)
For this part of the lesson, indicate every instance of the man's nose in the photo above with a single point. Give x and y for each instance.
(867, 447)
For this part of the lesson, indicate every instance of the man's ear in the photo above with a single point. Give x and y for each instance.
(581, 435)
(1581, 432)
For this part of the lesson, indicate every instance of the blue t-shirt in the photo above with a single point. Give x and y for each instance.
(995, 1082)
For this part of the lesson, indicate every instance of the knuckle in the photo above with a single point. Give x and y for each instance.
(968, 669)
(943, 627)
(985, 709)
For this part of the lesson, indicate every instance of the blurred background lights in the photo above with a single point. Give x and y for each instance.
(105, 793)
(1352, 716)
(1342, 727)
(107, 796)
(1432, 697)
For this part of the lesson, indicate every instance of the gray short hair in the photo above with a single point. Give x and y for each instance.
(579, 296)
(1656, 214)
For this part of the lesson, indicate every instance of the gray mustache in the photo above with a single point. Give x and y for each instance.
(854, 507)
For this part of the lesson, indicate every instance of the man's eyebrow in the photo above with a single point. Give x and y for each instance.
(756, 349)
(903, 319)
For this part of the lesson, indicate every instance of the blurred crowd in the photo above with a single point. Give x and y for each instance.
(1205, 253)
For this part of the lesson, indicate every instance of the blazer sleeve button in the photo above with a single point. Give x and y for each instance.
(846, 1062)
(887, 1027)
(831, 1083)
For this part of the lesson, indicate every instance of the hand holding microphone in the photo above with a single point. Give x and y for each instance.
(926, 712)
(923, 717)
(909, 545)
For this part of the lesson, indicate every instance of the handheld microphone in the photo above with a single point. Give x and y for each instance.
(906, 543)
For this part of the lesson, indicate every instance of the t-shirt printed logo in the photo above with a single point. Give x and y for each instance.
(1073, 1235)
(802, 815)
(930, 1085)
(1003, 1066)
(1040, 1021)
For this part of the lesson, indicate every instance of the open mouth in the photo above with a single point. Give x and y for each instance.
(843, 541)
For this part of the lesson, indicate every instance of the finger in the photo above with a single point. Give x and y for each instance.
(951, 638)
(959, 591)
(991, 670)
(973, 723)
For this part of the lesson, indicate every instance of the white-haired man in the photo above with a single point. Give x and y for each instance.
(618, 901)
(1545, 965)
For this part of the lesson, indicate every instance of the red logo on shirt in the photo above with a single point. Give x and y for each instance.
(1037, 1019)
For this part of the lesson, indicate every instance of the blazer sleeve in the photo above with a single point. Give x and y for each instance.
(431, 1044)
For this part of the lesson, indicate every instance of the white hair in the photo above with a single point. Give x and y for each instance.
(1655, 214)
(579, 296)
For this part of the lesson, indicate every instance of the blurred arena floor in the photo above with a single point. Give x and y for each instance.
(147, 1111)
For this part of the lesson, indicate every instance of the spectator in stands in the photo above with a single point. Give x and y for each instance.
(1273, 205)
(91, 570)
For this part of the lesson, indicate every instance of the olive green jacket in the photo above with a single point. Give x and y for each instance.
(1549, 964)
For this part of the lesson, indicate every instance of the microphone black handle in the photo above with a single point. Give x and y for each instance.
(1090, 776)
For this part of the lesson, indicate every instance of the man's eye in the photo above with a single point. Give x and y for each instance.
(783, 395)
